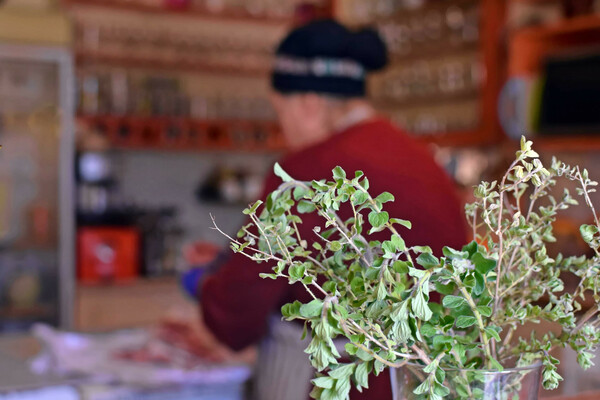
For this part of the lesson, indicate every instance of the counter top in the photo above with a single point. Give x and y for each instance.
(15, 375)
(15, 350)
(14, 371)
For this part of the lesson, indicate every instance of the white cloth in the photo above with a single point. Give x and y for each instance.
(283, 370)
(93, 357)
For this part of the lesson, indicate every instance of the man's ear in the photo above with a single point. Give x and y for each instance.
(276, 100)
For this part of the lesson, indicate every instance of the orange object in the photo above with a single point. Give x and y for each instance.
(529, 47)
(107, 254)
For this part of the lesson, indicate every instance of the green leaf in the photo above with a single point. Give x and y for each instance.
(398, 243)
(428, 330)
(420, 307)
(339, 173)
(359, 197)
(422, 249)
(320, 186)
(324, 382)
(350, 348)
(342, 372)
(427, 260)
(486, 311)
(453, 301)
(588, 232)
(496, 365)
(296, 272)
(471, 248)
(305, 207)
(403, 222)
(441, 340)
(291, 311)
(389, 249)
(300, 192)
(357, 285)
(469, 281)
(378, 367)
(417, 273)
(399, 312)
(376, 309)
(423, 388)
(445, 289)
(361, 375)
(479, 284)
(304, 331)
(312, 309)
(281, 173)
(483, 265)
(385, 197)
(307, 280)
(464, 321)
(492, 333)
(363, 355)
(335, 245)
(400, 267)
(381, 291)
(378, 219)
(452, 254)
(364, 183)
(252, 208)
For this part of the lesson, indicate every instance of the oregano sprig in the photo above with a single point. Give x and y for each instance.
(375, 295)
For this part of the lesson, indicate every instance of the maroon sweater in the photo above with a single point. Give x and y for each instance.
(237, 303)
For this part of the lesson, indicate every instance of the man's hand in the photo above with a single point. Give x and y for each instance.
(194, 337)
(200, 253)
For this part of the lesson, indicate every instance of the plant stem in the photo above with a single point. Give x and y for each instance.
(338, 226)
(587, 197)
(473, 306)
(588, 314)
(262, 232)
(517, 281)
(345, 328)
(232, 240)
(508, 337)
(499, 233)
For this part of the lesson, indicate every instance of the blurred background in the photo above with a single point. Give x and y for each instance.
(125, 123)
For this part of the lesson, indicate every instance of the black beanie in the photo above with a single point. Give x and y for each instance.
(325, 57)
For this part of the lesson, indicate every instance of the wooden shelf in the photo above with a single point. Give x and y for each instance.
(186, 134)
(437, 53)
(84, 57)
(429, 100)
(468, 138)
(489, 50)
(529, 47)
(577, 25)
(429, 6)
(36, 311)
(195, 12)
(566, 143)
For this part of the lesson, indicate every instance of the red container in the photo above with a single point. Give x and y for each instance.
(107, 254)
(175, 133)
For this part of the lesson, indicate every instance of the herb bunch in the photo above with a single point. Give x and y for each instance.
(376, 294)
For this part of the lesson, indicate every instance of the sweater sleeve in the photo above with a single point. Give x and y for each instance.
(236, 303)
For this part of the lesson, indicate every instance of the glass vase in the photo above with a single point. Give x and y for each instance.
(471, 384)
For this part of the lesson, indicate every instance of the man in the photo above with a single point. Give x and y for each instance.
(319, 88)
